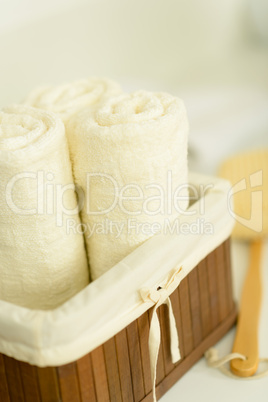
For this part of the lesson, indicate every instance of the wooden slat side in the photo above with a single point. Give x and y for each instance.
(204, 298)
(15, 387)
(213, 289)
(176, 306)
(68, 381)
(48, 384)
(228, 273)
(100, 375)
(195, 306)
(86, 381)
(4, 393)
(221, 281)
(124, 366)
(30, 382)
(112, 370)
(186, 316)
(135, 361)
(143, 327)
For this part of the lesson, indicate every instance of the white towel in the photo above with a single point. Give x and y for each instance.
(41, 264)
(68, 99)
(135, 140)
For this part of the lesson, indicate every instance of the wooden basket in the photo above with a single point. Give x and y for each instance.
(119, 370)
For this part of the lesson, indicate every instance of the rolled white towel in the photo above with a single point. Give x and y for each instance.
(41, 264)
(68, 99)
(139, 141)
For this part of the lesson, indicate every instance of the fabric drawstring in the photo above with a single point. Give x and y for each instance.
(159, 297)
(211, 356)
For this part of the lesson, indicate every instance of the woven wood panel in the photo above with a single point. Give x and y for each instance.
(119, 369)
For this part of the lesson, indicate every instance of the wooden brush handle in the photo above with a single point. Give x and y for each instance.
(246, 340)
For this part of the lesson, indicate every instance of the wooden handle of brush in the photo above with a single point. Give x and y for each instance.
(246, 340)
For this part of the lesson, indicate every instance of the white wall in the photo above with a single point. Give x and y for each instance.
(15, 13)
(168, 42)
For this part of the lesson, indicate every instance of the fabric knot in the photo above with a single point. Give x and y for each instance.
(163, 295)
(163, 292)
(157, 297)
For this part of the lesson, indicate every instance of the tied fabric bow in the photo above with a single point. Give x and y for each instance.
(159, 297)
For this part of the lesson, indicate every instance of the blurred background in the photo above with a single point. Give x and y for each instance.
(212, 54)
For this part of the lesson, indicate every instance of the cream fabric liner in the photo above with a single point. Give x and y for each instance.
(98, 312)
